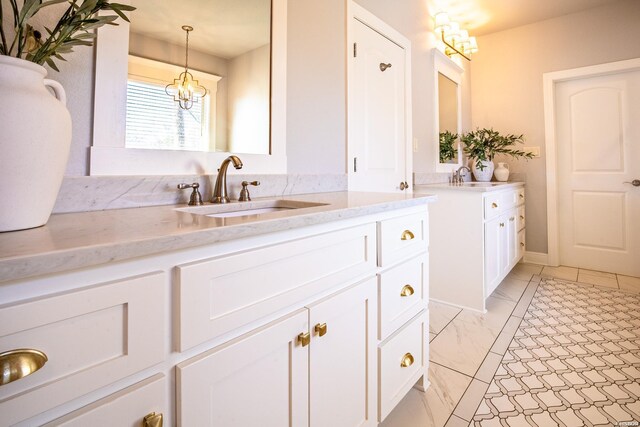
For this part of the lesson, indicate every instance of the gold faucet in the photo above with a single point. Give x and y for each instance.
(220, 189)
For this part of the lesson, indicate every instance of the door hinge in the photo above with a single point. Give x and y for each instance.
(355, 164)
(355, 50)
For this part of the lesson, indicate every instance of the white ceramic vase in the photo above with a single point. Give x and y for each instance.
(34, 143)
(485, 174)
(502, 172)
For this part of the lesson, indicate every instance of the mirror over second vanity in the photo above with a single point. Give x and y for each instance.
(236, 51)
(446, 146)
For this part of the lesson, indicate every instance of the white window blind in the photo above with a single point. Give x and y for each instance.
(155, 120)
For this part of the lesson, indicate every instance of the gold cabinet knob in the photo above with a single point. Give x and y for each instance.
(502, 224)
(407, 235)
(16, 364)
(512, 218)
(152, 420)
(406, 291)
(494, 205)
(522, 244)
(521, 216)
(304, 338)
(321, 329)
(407, 360)
(521, 196)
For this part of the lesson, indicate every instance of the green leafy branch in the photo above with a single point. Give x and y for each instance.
(74, 28)
(447, 150)
(484, 144)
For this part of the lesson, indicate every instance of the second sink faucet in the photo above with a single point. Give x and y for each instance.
(220, 189)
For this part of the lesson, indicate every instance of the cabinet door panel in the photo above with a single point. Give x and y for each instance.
(492, 254)
(343, 360)
(127, 408)
(259, 379)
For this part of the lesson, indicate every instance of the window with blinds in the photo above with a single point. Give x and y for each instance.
(155, 121)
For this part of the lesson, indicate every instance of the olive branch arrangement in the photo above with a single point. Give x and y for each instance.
(484, 144)
(74, 28)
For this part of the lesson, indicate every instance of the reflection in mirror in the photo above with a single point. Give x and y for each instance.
(229, 54)
(448, 119)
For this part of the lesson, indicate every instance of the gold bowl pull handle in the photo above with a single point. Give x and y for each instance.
(406, 291)
(152, 420)
(407, 235)
(407, 360)
(16, 364)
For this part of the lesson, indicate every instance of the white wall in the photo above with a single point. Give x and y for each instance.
(316, 87)
(249, 85)
(506, 77)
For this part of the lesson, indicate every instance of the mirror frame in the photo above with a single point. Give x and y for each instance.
(108, 153)
(442, 64)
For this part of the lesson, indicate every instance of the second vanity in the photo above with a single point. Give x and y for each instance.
(312, 314)
(477, 236)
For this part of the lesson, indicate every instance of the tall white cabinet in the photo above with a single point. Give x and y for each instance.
(477, 237)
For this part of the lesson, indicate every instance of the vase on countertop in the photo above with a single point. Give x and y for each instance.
(35, 141)
(502, 172)
(484, 174)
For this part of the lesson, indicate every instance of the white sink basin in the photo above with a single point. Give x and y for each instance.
(235, 209)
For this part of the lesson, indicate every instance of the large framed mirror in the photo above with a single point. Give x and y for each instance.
(237, 55)
(446, 146)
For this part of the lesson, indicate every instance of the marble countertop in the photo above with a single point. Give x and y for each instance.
(74, 240)
(467, 186)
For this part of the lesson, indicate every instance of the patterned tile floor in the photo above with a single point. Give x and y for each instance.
(574, 361)
(467, 349)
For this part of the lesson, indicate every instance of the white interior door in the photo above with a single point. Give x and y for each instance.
(378, 116)
(598, 148)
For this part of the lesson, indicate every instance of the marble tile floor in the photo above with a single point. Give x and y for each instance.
(466, 348)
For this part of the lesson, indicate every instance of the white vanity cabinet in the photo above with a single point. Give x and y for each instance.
(318, 325)
(477, 237)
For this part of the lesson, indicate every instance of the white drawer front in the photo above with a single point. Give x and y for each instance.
(92, 337)
(520, 218)
(127, 408)
(396, 380)
(403, 292)
(222, 294)
(508, 199)
(492, 205)
(402, 237)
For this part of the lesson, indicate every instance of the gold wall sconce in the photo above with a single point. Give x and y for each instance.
(455, 39)
(186, 90)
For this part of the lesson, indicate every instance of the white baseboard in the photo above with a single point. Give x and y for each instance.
(536, 258)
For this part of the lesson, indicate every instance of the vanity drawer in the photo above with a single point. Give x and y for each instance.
(396, 377)
(125, 408)
(92, 337)
(492, 205)
(508, 200)
(520, 224)
(521, 244)
(403, 292)
(219, 295)
(402, 237)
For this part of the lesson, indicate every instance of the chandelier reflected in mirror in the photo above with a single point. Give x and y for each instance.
(186, 90)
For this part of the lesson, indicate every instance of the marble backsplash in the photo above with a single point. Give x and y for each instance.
(88, 193)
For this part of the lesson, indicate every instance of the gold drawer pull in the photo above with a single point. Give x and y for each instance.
(502, 224)
(512, 218)
(407, 235)
(152, 420)
(407, 360)
(406, 291)
(321, 329)
(521, 216)
(522, 244)
(494, 205)
(521, 196)
(16, 364)
(304, 338)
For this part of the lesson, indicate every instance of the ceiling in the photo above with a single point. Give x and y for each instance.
(221, 28)
(489, 16)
